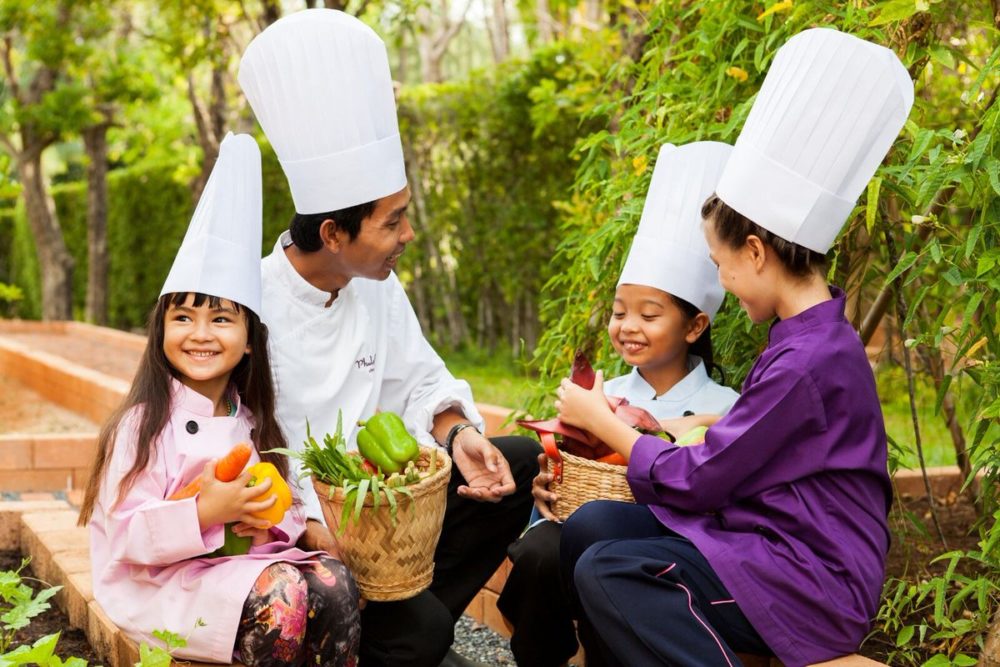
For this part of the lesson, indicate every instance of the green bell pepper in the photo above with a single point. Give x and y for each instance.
(386, 443)
(234, 544)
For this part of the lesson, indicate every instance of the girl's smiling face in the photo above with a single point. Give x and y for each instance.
(204, 344)
(648, 329)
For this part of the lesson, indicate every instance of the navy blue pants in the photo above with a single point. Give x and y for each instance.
(645, 595)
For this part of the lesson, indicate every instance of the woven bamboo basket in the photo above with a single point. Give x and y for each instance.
(584, 480)
(392, 562)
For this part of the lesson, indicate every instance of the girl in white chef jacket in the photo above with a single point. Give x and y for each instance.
(203, 385)
(667, 295)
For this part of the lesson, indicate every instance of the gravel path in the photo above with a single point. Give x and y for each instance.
(477, 642)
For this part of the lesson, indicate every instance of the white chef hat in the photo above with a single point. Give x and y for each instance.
(669, 250)
(827, 113)
(220, 254)
(319, 83)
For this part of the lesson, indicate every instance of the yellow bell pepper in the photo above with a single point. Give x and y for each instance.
(276, 512)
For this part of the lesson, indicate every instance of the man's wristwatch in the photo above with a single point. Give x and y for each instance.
(453, 432)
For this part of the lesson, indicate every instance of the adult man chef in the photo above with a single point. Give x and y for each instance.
(343, 335)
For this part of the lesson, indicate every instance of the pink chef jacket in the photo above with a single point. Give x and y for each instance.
(148, 554)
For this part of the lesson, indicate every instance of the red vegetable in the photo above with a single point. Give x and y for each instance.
(580, 443)
(582, 372)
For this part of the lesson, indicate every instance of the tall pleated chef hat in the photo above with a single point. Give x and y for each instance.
(318, 81)
(830, 107)
(220, 253)
(669, 251)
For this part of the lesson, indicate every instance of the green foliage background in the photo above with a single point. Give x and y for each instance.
(528, 184)
(149, 210)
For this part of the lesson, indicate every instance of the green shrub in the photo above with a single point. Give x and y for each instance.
(149, 208)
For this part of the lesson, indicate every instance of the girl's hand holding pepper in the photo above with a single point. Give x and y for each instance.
(589, 410)
(227, 502)
(539, 490)
(260, 535)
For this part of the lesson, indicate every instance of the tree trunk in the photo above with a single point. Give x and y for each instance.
(543, 18)
(419, 294)
(96, 145)
(55, 262)
(935, 362)
(430, 61)
(531, 332)
(434, 36)
(270, 12)
(210, 121)
(516, 327)
(499, 31)
(489, 329)
(480, 323)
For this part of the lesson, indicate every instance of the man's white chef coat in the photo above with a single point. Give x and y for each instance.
(365, 352)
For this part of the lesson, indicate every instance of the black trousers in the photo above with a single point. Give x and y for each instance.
(474, 539)
(536, 602)
(646, 595)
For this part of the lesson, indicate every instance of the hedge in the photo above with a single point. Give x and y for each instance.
(149, 208)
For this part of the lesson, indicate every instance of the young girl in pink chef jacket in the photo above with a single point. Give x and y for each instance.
(204, 385)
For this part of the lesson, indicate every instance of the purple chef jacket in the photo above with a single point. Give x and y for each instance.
(788, 498)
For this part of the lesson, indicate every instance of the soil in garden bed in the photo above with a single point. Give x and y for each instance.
(25, 411)
(72, 641)
(117, 361)
(915, 543)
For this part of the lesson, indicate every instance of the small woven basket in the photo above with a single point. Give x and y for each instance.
(392, 562)
(584, 480)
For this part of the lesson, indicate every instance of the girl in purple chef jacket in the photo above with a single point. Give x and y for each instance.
(771, 537)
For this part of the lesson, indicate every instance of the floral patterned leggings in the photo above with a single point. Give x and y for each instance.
(304, 614)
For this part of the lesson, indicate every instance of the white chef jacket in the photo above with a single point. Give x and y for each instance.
(364, 353)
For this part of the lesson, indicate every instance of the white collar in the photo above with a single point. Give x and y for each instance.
(299, 287)
(690, 384)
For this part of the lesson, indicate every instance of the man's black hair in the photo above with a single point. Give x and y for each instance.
(304, 227)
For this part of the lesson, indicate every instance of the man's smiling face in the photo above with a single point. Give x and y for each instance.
(383, 237)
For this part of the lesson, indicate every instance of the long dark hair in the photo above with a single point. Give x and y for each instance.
(150, 392)
(703, 346)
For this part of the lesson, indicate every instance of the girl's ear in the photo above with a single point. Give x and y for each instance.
(329, 234)
(756, 252)
(696, 327)
(248, 350)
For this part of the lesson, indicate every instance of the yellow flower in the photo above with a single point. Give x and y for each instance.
(976, 347)
(639, 164)
(780, 6)
(737, 73)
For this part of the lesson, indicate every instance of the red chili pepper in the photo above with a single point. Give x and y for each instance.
(549, 445)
